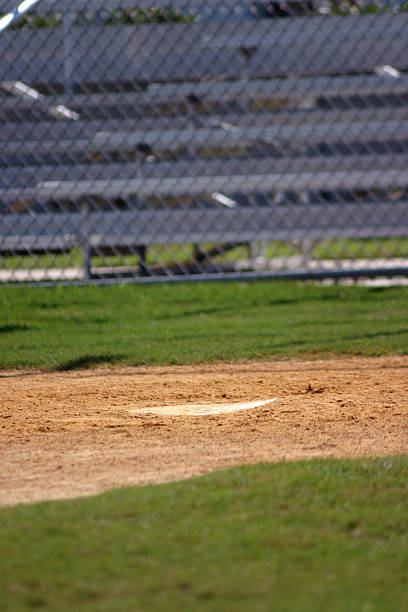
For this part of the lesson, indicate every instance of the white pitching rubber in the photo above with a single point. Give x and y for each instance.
(203, 409)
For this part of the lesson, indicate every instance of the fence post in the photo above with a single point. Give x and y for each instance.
(86, 238)
(68, 50)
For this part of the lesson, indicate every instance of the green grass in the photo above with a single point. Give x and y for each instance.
(305, 536)
(64, 328)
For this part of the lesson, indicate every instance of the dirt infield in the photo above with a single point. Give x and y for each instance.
(64, 435)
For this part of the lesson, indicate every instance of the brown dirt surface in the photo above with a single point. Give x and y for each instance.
(64, 435)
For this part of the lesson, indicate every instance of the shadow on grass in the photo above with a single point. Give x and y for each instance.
(289, 344)
(378, 334)
(9, 329)
(232, 308)
(182, 314)
(87, 361)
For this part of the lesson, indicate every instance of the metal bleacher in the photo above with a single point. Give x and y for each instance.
(254, 107)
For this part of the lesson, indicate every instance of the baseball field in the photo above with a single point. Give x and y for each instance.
(218, 447)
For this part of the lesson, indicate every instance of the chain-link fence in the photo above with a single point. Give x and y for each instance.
(149, 140)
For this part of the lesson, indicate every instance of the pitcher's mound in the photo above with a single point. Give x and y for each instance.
(203, 409)
(76, 433)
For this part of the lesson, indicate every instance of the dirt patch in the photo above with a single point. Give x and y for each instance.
(64, 435)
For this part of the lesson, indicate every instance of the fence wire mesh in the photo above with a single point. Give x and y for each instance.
(153, 140)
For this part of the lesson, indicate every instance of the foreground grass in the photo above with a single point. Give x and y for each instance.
(307, 536)
(84, 326)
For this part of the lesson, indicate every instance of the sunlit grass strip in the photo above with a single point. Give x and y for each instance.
(65, 328)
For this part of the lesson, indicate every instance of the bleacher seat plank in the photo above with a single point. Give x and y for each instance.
(216, 224)
(284, 91)
(296, 127)
(206, 176)
(299, 46)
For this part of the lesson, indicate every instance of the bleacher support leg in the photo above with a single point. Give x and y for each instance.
(85, 239)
